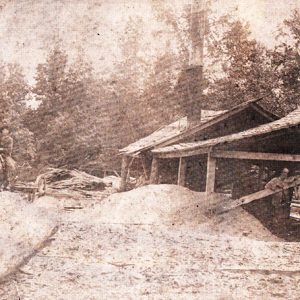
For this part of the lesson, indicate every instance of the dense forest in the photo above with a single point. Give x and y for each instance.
(82, 120)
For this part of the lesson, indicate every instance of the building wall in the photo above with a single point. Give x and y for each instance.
(284, 142)
(196, 170)
(249, 118)
(196, 165)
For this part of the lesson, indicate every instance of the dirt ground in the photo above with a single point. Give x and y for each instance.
(139, 245)
(23, 227)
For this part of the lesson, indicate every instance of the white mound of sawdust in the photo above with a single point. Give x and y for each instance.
(240, 223)
(152, 204)
(175, 205)
(23, 227)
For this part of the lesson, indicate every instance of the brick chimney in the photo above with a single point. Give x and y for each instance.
(194, 71)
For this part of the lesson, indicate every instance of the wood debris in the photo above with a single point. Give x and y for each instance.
(73, 182)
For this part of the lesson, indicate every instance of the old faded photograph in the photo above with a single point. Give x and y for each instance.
(149, 149)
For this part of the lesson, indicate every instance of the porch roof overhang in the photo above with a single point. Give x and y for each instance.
(292, 120)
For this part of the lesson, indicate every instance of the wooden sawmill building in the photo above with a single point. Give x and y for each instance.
(150, 157)
(276, 144)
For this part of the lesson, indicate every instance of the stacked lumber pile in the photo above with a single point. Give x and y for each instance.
(73, 183)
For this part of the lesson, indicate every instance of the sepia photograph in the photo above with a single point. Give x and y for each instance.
(149, 149)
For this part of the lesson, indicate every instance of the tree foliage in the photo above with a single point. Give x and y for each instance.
(286, 59)
(241, 68)
(13, 93)
(65, 120)
(82, 120)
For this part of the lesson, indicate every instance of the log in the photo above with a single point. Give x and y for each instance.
(253, 197)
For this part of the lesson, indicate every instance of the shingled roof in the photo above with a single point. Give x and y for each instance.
(165, 133)
(179, 130)
(187, 149)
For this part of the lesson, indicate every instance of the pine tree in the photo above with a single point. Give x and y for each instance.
(240, 67)
(286, 60)
(13, 92)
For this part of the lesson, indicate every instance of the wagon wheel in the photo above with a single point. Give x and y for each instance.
(41, 184)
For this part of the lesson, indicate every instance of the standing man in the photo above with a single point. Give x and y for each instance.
(6, 147)
(280, 201)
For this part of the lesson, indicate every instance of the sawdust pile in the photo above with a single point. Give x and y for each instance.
(174, 205)
(239, 223)
(23, 228)
(152, 204)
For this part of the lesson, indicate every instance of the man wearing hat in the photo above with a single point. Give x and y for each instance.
(280, 201)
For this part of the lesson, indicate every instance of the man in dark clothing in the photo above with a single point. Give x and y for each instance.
(6, 147)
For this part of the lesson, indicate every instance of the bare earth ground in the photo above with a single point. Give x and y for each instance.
(138, 254)
(24, 227)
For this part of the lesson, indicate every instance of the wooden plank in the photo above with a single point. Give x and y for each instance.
(181, 153)
(144, 166)
(182, 171)
(124, 173)
(256, 155)
(295, 211)
(295, 216)
(211, 174)
(154, 171)
(253, 197)
(128, 168)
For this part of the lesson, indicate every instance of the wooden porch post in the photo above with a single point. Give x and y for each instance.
(124, 172)
(182, 171)
(154, 171)
(211, 174)
(146, 172)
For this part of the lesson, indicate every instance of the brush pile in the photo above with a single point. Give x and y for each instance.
(73, 182)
